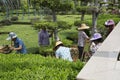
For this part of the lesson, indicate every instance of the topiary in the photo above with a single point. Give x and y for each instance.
(14, 18)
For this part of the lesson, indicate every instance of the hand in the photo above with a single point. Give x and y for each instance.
(12, 48)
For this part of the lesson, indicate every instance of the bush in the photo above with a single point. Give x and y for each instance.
(78, 23)
(14, 18)
(67, 42)
(72, 36)
(34, 20)
(46, 50)
(6, 22)
(48, 18)
(52, 25)
(36, 67)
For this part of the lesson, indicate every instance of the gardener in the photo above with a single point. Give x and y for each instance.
(109, 24)
(43, 37)
(96, 42)
(82, 37)
(18, 43)
(62, 52)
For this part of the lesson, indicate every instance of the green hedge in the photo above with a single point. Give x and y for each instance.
(36, 67)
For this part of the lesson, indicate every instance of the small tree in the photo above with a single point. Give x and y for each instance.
(53, 26)
(54, 5)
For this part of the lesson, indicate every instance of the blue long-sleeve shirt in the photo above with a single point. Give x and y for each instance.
(18, 42)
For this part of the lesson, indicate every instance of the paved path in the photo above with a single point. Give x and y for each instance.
(103, 65)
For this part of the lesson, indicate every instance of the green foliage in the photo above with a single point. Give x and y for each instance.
(46, 50)
(48, 25)
(67, 42)
(14, 18)
(35, 67)
(24, 5)
(72, 36)
(52, 25)
(63, 25)
(54, 5)
(82, 8)
(78, 22)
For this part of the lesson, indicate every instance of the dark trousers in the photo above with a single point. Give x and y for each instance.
(80, 52)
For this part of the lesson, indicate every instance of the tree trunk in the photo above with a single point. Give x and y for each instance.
(94, 17)
(54, 16)
(82, 15)
(94, 22)
(55, 31)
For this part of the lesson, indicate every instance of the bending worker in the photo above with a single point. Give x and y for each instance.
(18, 44)
(62, 52)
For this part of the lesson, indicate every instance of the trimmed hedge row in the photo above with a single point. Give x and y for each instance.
(36, 67)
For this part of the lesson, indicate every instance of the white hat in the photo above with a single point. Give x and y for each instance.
(83, 26)
(12, 35)
(96, 36)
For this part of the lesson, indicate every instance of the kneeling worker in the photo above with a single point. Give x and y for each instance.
(18, 43)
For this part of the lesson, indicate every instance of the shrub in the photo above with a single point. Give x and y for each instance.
(6, 22)
(78, 23)
(34, 20)
(72, 36)
(67, 42)
(46, 50)
(48, 18)
(36, 67)
(14, 18)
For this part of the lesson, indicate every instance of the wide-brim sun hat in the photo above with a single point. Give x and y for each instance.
(83, 26)
(109, 22)
(12, 35)
(96, 36)
(58, 43)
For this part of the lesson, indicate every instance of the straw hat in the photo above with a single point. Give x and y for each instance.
(83, 26)
(96, 36)
(58, 43)
(12, 35)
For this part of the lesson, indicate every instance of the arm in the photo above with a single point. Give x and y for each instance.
(19, 48)
(50, 35)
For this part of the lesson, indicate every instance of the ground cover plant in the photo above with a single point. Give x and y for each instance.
(35, 67)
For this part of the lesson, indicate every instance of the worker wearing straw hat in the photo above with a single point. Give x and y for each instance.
(82, 36)
(62, 52)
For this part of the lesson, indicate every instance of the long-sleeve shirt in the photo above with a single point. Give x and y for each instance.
(81, 38)
(18, 42)
(43, 38)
